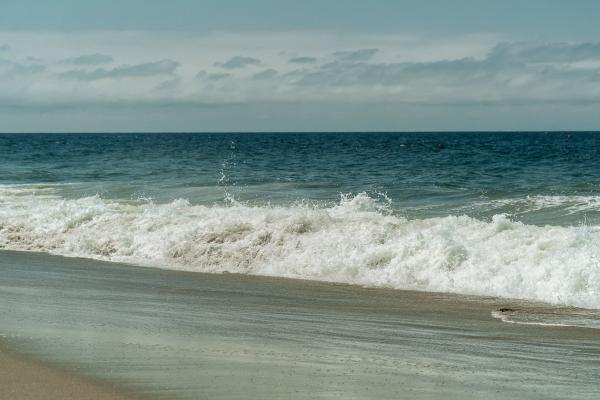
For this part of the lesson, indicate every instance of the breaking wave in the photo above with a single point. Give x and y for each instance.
(358, 241)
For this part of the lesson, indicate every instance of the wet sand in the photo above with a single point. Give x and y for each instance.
(23, 378)
(176, 335)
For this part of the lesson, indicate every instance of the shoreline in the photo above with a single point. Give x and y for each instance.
(183, 335)
(499, 301)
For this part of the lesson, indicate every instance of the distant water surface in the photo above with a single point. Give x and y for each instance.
(542, 178)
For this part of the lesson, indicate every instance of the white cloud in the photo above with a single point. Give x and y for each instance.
(238, 62)
(523, 52)
(356, 55)
(12, 69)
(151, 68)
(162, 67)
(217, 76)
(303, 60)
(266, 74)
(90, 59)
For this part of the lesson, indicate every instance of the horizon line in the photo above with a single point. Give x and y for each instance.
(289, 132)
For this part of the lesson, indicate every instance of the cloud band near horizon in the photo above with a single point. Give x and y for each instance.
(61, 71)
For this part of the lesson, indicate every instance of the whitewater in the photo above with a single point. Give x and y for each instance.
(358, 240)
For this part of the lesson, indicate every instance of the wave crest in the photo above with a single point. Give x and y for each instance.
(357, 241)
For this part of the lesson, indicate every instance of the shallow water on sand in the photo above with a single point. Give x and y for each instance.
(177, 335)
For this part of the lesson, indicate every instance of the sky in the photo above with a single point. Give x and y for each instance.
(280, 65)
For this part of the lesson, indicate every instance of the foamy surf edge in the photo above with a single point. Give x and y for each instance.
(356, 241)
(549, 316)
(502, 316)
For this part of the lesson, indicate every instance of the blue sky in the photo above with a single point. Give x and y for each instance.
(267, 65)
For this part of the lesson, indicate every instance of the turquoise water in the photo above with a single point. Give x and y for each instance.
(506, 214)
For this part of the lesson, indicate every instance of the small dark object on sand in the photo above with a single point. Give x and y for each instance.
(506, 309)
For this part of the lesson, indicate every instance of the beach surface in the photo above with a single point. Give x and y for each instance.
(179, 335)
(23, 378)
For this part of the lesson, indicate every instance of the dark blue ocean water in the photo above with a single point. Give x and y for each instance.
(540, 178)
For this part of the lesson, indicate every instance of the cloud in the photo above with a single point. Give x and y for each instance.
(361, 74)
(356, 55)
(345, 70)
(504, 61)
(266, 74)
(213, 76)
(517, 74)
(238, 62)
(524, 52)
(169, 85)
(4, 47)
(217, 76)
(90, 59)
(302, 60)
(11, 69)
(163, 67)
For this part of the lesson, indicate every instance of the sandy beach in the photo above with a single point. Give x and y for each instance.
(23, 378)
(176, 335)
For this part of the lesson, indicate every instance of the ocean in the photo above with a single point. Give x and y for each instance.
(512, 215)
(426, 266)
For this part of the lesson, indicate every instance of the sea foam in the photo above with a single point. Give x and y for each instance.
(357, 241)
